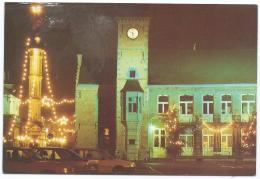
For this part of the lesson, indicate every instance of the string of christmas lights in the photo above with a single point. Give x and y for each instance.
(48, 83)
(249, 135)
(217, 130)
(171, 126)
(11, 128)
(49, 101)
(24, 69)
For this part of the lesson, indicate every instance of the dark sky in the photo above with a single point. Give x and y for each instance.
(90, 29)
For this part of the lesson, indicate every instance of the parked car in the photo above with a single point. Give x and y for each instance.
(65, 156)
(24, 160)
(102, 162)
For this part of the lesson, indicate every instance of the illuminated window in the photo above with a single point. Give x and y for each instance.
(186, 104)
(207, 104)
(187, 139)
(248, 104)
(106, 132)
(208, 141)
(162, 104)
(226, 140)
(159, 138)
(226, 104)
(132, 104)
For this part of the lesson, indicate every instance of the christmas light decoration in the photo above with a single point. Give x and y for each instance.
(62, 123)
(213, 129)
(48, 83)
(249, 136)
(24, 70)
(171, 123)
(12, 125)
(36, 9)
(48, 102)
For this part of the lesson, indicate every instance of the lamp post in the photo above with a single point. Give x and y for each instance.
(36, 11)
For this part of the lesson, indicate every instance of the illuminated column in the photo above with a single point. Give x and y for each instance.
(35, 79)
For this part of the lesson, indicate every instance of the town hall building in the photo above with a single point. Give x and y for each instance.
(124, 117)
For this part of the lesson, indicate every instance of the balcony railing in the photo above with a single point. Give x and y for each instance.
(187, 151)
(207, 117)
(216, 118)
(226, 118)
(186, 118)
(223, 151)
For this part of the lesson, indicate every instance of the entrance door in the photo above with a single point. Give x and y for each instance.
(187, 149)
(207, 144)
(226, 142)
(159, 142)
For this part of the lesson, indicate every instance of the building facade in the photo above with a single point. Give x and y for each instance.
(222, 109)
(11, 118)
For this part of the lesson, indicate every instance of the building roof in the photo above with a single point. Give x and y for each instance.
(187, 67)
(203, 67)
(132, 85)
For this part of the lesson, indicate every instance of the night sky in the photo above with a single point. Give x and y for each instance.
(90, 29)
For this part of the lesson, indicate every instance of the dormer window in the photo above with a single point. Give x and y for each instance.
(132, 74)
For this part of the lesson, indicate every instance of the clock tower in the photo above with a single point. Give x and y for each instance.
(131, 88)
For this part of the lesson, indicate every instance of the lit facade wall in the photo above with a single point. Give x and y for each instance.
(86, 110)
(208, 142)
(131, 135)
(138, 130)
(11, 105)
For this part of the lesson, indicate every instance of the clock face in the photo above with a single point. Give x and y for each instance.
(132, 33)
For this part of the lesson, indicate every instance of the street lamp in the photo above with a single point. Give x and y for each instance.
(36, 9)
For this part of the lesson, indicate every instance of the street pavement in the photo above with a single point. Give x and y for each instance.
(197, 168)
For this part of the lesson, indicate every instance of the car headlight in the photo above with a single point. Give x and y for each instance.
(68, 170)
(132, 164)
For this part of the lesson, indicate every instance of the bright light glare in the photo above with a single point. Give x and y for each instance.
(36, 9)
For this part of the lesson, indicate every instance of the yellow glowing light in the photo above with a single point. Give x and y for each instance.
(36, 9)
(37, 39)
(216, 130)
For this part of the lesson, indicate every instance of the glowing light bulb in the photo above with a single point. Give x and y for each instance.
(36, 9)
